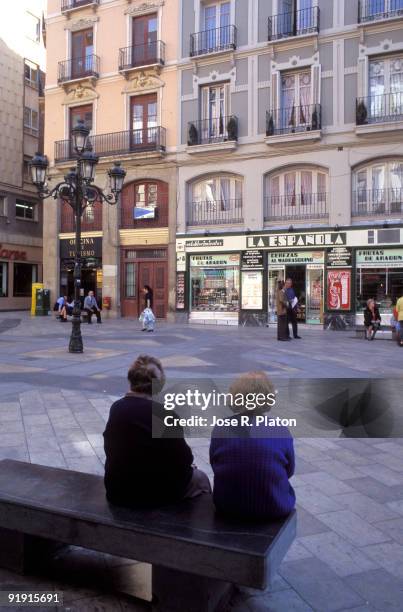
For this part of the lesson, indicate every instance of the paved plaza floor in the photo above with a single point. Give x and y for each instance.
(348, 554)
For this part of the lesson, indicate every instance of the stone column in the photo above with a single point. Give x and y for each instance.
(110, 255)
(51, 252)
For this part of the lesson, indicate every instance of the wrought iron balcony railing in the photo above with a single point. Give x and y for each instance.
(142, 55)
(210, 131)
(69, 5)
(91, 219)
(297, 206)
(295, 119)
(78, 68)
(383, 108)
(377, 202)
(216, 212)
(147, 140)
(374, 10)
(211, 41)
(296, 23)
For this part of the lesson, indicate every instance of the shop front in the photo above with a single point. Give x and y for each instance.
(20, 267)
(91, 267)
(234, 278)
(379, 275)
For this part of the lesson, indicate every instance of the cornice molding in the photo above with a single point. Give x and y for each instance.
(144, 7)
(81, 24)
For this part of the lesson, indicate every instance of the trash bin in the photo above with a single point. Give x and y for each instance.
(35, 286)
(42, 302)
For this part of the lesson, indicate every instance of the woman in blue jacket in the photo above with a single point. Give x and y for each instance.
(252, 466)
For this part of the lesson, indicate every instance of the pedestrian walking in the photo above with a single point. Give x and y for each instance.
(372, 320)
(91, 307)
(399, 318)
(282, 303)
(292, 309)
(147, 317)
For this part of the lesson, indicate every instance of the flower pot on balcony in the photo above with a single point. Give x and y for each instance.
(315, 119)
(232, 129)
(269, 126)
(193, 135)
(361, 114)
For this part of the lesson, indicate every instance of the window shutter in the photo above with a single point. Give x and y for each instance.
(363, 70)
(316, 83)
(227, 100)
(275, 91)
(204, 103)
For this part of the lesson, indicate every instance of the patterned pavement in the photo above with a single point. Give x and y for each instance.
(349, 551)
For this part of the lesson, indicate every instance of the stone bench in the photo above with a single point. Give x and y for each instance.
(197, 556)
(385, 333)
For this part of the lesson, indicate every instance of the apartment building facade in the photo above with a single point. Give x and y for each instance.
(290, 158)
(22, 62)
(112, 64)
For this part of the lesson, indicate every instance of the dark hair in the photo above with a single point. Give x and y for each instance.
(148, 288)
(146, 375)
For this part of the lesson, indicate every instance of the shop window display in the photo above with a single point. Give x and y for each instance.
(215, 283)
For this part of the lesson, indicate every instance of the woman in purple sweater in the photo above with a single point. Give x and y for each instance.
(251, 469)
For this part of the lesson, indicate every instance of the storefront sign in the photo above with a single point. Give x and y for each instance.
(180, 291)
(90, 247)
(339, 289)
(297, 240)
(375, 258)
(252, 290)
(215, 242)
(12, 254)
(181, 262)
(252, 260)
(339, 257)
(206, 261)
(297, 257)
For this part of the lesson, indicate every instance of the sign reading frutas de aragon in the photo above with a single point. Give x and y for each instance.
(276, 241)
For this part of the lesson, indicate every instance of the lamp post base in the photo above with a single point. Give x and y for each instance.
(76, 340)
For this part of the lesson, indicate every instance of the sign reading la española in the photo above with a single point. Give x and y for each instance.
(273, 241)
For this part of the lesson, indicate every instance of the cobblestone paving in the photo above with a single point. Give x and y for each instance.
(349, 551)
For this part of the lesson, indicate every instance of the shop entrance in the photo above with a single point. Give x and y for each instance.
(298, 276)
(139, 268)
(91, 280)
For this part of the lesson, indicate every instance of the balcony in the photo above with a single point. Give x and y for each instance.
(376, 10)
(145, 142)
(71, 5)
(377, 203)
(382, 109)
(140, 56)
(218, 133)
(216, 212)
(294, 123)
(297, 23)
(91, 220)
(296, 207)
(215, 40)
(78, 69)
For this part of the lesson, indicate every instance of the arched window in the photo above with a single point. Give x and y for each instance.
(214, 200)
(145, 204)
(378, 188)
(297, 193)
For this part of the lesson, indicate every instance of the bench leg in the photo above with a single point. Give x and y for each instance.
(20, 552)
(175, 591)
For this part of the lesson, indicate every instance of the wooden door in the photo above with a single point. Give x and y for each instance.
(135, 274)
(154, 274)
(143, 121)
(82, 48)
(144, 40)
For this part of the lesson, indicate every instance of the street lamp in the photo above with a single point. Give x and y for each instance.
(78, 191)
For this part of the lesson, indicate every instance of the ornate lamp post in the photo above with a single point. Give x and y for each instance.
(77, 190)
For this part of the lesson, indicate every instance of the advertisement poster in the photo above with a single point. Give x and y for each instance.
(339, 289)
(252, 290)
(180, 291)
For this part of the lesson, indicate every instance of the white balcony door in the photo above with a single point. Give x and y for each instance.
(216, 25)
(214, 112)
(386, 88)
(380, 8)
(379, 187)
(296, 93)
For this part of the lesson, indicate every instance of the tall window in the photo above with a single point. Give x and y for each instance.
(379, 187)
(32, 27)
(218, 192)
(386, 86)
(214, 112)
(81, 113)
(82, 49)
(295, 17)
(216, 24)
(31, 120)
(31, 73)
(296, 192)
(144, 40)
(378, 9)
(143, 120)
(295, 99)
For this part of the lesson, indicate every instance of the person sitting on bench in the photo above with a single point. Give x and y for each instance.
(252, 464)
(141, 470)
(91, 307)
